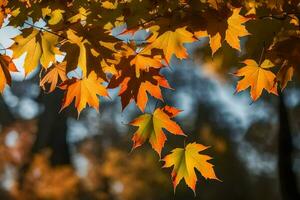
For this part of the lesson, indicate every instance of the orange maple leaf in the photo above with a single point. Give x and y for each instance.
(6, 65)
(141, 60)
(151, 128)
(84, 91)
(53, 75)
(257, 77)
(185, 160)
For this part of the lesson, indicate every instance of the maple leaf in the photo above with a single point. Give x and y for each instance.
(151, 128)
(84, 53)
(289, 60)
(136, 88)
(39, 46)
(171, 42)
(84, 91)
(185, 160)
(6, 65)
(236, 29)
(54, 16)
(229, 29)
(53, 75)
(284, 75)
(257, 77)
(141, 60)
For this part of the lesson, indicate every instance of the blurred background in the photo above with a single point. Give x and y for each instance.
(46, 154)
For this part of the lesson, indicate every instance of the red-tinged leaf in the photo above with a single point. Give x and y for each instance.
(6, 65)
(171, 111)
(151, 128)
(137, 88)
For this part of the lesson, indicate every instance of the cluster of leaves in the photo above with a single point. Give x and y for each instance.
(83, 32)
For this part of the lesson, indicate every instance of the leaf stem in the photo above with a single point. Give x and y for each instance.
(261, 55)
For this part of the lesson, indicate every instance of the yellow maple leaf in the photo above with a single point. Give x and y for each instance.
(185, 160)
(171, 42)
(6, 65)
(236, 29)
(55, 16)
(84, 91)
(39, 46)
(53, 75)
(257, 77)
(151, 128)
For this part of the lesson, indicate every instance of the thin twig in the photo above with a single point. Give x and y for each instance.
(261, 55)
(281, 17)
(46, 30)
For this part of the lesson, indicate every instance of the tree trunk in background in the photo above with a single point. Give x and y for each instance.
(52, 129)
(52, 133)
(6, 117)
(287, 177)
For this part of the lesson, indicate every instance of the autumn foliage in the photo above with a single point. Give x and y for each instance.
(89, 36)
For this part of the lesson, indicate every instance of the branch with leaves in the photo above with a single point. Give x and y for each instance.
(87, 34)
